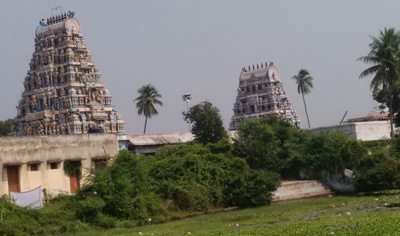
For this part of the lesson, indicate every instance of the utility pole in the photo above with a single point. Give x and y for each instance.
(186, 98)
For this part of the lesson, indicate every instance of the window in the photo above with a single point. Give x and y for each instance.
(34, 167)
(100, 164)
(54, 165)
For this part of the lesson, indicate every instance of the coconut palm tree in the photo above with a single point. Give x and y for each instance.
(304, 86)
(148, 97)
(385, 59)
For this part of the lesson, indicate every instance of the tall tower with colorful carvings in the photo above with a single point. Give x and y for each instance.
(260, 94)
(63, 93)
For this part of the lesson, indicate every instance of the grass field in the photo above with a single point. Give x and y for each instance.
(343, 215)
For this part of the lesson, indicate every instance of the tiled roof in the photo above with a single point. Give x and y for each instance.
(159, 139)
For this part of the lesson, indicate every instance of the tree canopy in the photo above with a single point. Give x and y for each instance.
(5, 127)
(145, 103)
(384, 56)
(264, 143)
(304, 86)
(207, 125)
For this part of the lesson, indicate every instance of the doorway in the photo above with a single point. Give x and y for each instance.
(74, 171)
(13, 179)
(74, 182)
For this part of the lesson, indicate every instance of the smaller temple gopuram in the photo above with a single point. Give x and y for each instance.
(63, 93)
(260, 94)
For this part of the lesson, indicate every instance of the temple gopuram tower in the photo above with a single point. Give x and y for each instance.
(260, 94)
(63, 93)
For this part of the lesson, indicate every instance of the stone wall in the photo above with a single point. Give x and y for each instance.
(40, 159)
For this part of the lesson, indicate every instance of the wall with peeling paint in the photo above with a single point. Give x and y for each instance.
(40, 159)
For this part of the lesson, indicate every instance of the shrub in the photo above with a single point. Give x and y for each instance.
(104, 221)
(195, 178)
(88, 208)
(260, 185)
(121, 190)
(48, 221)
(377, 172)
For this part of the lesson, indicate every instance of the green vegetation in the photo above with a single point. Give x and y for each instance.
(179, 181)
(273, 144)
(54, 219)
(198, 178)
(185, 178)
(72, 168)
(374, 214)
(5, 127)
(207, 122)
(148, 97)
(385, 59)
(262, 142)
(304, 86)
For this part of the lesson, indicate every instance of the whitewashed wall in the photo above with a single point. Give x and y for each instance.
(373, 130)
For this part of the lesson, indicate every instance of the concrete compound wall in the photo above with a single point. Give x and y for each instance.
(299, 189)
(44, 150)
(372, 130)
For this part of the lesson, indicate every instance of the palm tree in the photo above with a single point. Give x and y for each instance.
(304, 86)
(148, 97)
(385, 59)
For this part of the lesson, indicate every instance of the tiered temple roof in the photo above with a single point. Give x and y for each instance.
(260, 94)
(63, 93)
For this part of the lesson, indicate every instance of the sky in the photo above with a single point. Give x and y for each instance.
(199, 47)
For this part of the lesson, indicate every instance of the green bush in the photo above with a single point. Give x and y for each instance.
(191, 196)
(54, 219)
(196, 178)
(122, 190)
(257, 143)
(88, 208)
(104, 221)
(260, 185)
(377, 172)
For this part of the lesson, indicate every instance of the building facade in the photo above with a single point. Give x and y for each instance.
(28, 162)
(260, 93)
(63, 93)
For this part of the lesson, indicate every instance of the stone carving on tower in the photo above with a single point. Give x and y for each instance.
(260, 94)
(63, 93)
